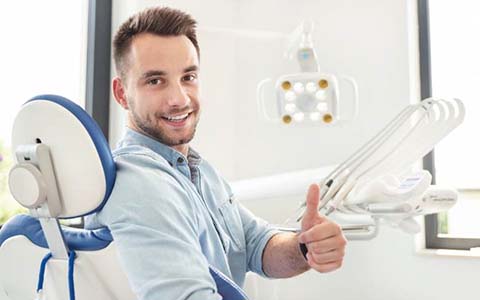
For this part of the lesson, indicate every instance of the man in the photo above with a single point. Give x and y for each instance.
(170, 213)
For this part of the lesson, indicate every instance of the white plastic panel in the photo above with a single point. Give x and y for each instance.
(81, 182)
(98, 274)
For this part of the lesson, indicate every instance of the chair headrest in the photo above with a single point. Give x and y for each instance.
(82, 160)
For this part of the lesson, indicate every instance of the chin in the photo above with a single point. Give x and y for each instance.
(176, 140)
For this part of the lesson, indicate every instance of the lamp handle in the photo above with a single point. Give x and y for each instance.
(261, 105)
(354, 87)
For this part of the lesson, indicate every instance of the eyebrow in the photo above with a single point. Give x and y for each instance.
(152, 73)
(191, 69)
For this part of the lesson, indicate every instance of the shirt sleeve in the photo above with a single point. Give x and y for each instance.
(257, 234)
(155, 231)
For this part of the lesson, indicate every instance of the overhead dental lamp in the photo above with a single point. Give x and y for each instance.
(310, 96)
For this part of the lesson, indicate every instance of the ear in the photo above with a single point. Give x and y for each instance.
(119, 92)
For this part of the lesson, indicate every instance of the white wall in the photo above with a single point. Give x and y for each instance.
(374, 41)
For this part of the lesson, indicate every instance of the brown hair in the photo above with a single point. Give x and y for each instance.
(162, 21)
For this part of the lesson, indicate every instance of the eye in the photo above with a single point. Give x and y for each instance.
(154, 81)
(190, 77)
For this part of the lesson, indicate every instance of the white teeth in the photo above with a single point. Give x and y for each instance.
(177, 117)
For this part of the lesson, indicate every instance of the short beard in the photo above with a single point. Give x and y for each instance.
(149, 127)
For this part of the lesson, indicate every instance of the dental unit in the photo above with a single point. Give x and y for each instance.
(376, 181)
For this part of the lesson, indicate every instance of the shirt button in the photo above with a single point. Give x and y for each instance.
(180, 160)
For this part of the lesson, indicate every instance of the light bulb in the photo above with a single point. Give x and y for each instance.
(315, 116)
(321, 95)
(290, 107)
(311, 87)
(298, 87)
(322, 106)
(290, 96)
(298, 117)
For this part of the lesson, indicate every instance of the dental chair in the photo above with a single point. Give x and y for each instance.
(64, 169)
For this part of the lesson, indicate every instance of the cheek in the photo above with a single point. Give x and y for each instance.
(194, 97)
(147, 102)
(142, 110)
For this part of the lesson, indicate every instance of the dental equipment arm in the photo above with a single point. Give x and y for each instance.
(373, 182)
(377, 201)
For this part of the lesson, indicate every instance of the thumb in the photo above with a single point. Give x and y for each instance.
(311, 215)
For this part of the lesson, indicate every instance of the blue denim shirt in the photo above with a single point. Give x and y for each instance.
(171, 217)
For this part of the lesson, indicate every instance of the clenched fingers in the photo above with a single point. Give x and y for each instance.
(320, 232)
(323, 267)
(328, 257)
(327, 245)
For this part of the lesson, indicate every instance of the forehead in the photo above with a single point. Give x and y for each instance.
(166, 53)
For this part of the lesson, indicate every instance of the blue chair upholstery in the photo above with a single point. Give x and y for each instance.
(76, 239)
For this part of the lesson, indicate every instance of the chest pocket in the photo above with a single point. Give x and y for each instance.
(233, 223)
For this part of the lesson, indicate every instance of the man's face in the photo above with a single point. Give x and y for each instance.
(161, 88)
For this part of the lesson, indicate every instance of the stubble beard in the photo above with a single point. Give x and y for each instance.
(155, 131)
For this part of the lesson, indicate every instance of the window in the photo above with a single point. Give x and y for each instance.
(43, 52)
(454, 72)
(51, 47)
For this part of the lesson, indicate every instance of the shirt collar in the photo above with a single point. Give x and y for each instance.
(173, 157)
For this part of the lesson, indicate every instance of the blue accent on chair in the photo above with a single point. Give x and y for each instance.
(71, 266)
(76, 239)
(98, 139)
(226, 287)
(41, 273)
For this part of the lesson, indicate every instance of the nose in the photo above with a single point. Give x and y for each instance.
(177, 96)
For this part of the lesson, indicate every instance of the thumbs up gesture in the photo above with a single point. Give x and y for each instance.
(323, 238)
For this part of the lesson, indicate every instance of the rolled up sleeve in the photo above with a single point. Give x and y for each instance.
(257, 234)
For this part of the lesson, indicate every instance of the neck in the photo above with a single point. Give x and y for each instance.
(183, 148)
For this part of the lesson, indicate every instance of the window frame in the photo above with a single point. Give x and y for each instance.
(432, 240)
(97, 92)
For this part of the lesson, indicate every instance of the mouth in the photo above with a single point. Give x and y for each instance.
(177, 121)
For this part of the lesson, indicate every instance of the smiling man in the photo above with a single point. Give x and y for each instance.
(160, 93)
(171, 214)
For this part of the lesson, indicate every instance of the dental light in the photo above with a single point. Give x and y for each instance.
(308, 97)
(375, 181)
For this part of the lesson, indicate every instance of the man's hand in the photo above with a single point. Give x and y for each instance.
(324, 239)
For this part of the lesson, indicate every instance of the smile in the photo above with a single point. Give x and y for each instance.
(177, 119)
